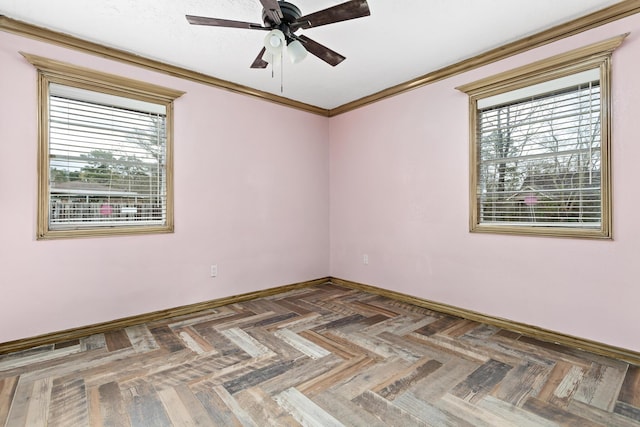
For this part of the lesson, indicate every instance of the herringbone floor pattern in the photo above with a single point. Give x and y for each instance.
(321, 356)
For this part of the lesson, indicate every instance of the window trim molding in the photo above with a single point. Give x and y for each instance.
(52, 71)
(597, 55)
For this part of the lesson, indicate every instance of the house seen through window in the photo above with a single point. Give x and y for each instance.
(107, 160)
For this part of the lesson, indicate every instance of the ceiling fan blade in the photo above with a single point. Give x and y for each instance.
(342, 12)
(259, 62)
(216, 22)
(272, 8)
(327, 55)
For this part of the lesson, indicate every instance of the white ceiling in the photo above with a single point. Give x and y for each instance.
(400, 41)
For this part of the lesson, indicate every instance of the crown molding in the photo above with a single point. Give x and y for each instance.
(559, 32)
(49, 36)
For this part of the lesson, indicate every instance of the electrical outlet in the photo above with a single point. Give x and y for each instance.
(214, 270)
(365, 259)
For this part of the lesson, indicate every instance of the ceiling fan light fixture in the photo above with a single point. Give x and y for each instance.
(274, 42)
(296, 51)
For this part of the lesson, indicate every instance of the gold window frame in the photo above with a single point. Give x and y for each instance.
(595, 56)
(52, 71)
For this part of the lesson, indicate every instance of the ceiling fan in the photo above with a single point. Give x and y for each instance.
(282, 20)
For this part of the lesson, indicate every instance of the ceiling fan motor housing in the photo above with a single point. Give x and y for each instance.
(290, 13)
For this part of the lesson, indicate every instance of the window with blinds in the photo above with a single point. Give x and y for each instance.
(539, 146)
(105, 153)
(539, 158)
(107, 160)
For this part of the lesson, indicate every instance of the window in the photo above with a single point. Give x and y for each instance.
(105, 153)
(539, 147)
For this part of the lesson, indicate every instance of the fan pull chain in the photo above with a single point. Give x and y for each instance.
(272, 67)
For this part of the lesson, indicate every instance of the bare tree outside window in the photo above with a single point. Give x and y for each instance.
(540, 159)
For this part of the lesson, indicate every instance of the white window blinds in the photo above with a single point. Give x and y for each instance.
(539, 156)
(107, 160)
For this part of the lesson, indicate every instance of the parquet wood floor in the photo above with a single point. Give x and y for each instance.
(320, 356)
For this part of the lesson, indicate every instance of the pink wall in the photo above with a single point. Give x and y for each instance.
(389, 180)
(399, 193)
(255, 204)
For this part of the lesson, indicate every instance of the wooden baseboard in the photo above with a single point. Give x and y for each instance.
(542, 334)
(97, 328)
(531, 331)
